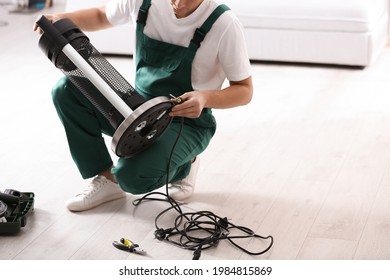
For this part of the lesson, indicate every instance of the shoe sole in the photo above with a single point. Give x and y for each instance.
(97, 203)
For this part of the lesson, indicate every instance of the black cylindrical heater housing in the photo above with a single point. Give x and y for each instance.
(80, 42)
(148, 118)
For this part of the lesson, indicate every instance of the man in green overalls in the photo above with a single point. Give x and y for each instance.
(184, 48)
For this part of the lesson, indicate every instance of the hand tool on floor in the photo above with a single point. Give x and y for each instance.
(128, 245)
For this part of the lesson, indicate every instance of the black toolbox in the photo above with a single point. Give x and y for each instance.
(17, 213)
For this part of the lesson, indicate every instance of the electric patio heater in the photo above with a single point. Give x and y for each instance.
(138, 122)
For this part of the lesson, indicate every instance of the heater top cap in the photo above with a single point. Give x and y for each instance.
(56, 35)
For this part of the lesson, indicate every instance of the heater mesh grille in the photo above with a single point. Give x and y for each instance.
(107, 72)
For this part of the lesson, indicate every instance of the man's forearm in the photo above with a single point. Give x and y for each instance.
(88, 19)
(237, 94)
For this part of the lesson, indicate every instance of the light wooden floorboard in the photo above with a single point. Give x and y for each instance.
(375, 239)
(327, 249)
(307, 161)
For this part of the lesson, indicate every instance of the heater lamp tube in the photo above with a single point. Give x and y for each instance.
(97, 81)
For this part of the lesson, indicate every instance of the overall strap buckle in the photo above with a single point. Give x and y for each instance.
(142, 16)
(198, 37)
(200, 33)
(143, 12)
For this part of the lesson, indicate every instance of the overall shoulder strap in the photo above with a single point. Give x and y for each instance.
(200, 33)
(143, 11)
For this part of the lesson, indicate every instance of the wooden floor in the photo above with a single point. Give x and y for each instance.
(307, 161)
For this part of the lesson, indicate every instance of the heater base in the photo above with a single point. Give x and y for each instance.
(140, 130)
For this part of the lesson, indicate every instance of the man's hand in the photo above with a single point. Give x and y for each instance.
(192, 105)
(238, 93)
(52, 18)
(92, 19)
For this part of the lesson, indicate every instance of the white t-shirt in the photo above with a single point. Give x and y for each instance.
(222, 53)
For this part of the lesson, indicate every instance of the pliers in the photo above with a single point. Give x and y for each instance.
(128, 245)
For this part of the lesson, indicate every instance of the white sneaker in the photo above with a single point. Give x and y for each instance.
(184, 188)
(99, 191)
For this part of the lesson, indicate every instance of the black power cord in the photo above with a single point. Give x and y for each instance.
(199, 230)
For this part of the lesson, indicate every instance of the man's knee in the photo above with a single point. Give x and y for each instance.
(60, 92)
(135, 181)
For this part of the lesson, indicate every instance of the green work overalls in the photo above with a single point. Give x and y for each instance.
(161, 69)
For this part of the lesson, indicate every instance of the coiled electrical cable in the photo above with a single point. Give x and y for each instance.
(199, 230)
